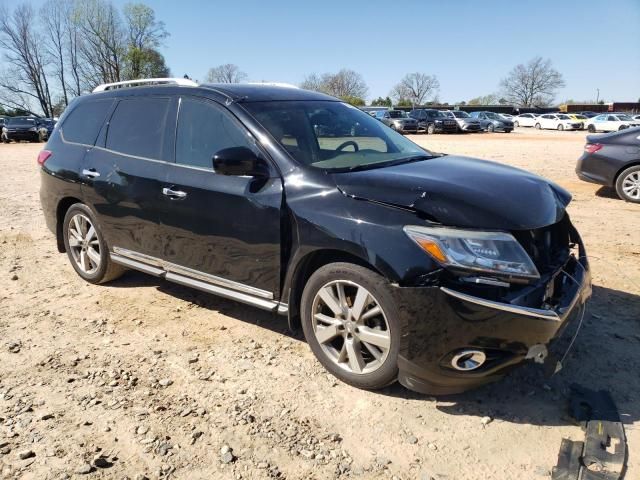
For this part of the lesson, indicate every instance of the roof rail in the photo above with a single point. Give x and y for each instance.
(145, 81)
(273, 84)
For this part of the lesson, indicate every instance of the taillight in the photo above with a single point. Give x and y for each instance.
(43, 156)
(592, 147)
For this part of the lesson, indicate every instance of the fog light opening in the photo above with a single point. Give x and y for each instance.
(467, 360)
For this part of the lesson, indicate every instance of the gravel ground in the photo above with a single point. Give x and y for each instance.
(145, 379)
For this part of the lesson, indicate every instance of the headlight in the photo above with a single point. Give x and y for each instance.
(33, 129)
(491, 252)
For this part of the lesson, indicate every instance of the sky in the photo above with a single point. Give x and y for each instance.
(468, 44)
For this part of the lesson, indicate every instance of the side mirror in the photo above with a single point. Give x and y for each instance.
(239, 161)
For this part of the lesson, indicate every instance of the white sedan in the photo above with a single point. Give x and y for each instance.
(525, 120)
(554, 121)
(611, 122)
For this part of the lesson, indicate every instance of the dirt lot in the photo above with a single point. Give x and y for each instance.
(142, 378)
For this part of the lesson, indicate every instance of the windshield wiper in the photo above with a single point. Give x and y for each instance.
(399, 161)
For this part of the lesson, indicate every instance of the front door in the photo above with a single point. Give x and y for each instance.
(219, 229)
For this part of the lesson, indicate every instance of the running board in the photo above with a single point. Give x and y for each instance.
(264, 304)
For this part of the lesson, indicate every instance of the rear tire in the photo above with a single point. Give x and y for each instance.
(628, 184)
(337, 335)
(516, 124)
(538, 126)
(86, 248)
(560, 127)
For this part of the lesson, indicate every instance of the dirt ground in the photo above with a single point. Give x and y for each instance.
(141, 378)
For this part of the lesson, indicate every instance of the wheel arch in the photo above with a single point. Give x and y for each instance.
(61, 210)
(307, 265)
(633, 163)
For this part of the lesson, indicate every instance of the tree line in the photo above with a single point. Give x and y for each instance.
(532, 84)
(67, 47)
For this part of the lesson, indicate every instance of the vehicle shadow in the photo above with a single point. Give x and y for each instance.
(607, 192)
(605, 356)
(239, 311)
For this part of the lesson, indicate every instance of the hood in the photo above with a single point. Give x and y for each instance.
(462, 192)
(404, 120)
(468, 120)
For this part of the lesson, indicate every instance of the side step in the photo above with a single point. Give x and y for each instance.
(262, 303)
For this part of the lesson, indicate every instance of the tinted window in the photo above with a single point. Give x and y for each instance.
(138, 127)
(84, 122)
(332, 135)
(203, 130)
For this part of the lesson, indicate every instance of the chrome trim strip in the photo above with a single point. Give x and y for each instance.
(530, 312)
(222, 282)
(222, 292)
(127, 262)
(195, 274)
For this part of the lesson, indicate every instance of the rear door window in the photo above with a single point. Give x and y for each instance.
(84, 122)
(138, 127)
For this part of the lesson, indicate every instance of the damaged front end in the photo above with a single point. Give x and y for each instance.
(465, 329)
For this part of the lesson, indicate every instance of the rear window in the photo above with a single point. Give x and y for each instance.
(84, 122)
(137, 127)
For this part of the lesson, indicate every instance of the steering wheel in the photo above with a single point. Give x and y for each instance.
(346, 144)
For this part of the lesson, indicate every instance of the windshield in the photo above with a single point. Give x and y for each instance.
(625, 118)
(494, 116)
(397, 114)
(564, 117)
(21, 121)
(333, 135)
(580, 117)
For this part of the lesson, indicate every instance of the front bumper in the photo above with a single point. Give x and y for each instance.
(21, 135)
(440, 322)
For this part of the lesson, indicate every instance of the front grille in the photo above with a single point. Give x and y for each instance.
(548, 246)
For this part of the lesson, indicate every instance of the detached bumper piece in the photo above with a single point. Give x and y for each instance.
(603, 454)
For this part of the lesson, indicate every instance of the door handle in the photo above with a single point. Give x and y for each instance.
(173, 193)
(91, 173)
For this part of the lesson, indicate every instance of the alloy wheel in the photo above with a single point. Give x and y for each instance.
(351, 327)
(631, 185)
(84, 243)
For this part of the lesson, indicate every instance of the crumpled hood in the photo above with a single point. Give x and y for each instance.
(462, 192)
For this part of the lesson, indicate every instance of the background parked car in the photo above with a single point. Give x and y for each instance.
(588, 114)
(398, 120)
(525, 120)
(611, 122)
(465, 122)
(577, 117)
(434, 121)
(554, 121)
(493, 122)
(24, 128)
(613, 160)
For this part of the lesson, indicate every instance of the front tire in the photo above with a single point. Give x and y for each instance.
(516, 124)
(351, 323)
(86, 248)
(538, 126)
(491, 128)
(628, 184)
(560, 127)
(431, 129)
(591, 128)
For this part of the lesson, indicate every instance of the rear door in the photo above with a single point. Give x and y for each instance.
(219, 229)
(124, 174)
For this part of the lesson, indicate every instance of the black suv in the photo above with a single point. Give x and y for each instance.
(24, 128)
(434, 121)
(440, 271)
